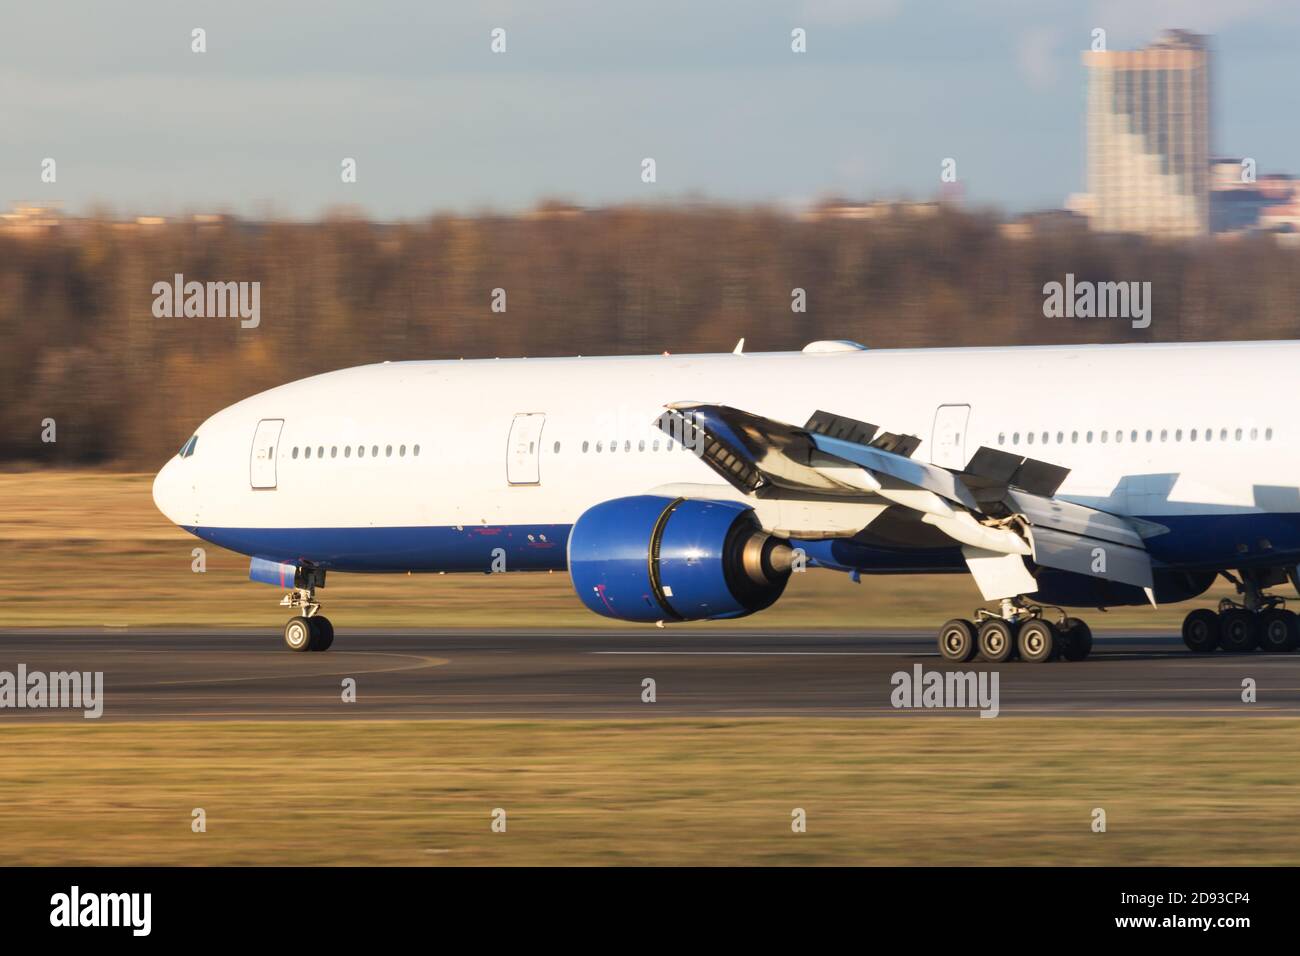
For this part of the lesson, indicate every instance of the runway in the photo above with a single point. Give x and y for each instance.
(537, 674)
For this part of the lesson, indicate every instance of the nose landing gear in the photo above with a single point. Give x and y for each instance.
(310, 630)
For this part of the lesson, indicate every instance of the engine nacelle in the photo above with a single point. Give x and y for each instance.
(652, 558)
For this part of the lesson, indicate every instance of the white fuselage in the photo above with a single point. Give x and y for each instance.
(1156, 431)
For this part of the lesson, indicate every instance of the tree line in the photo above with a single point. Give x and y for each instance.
(80, 343)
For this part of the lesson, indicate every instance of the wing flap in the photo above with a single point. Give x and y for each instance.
(1092, 557)
(1000, 505)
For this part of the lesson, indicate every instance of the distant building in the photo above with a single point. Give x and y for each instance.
(1239, 203)
(27, 219)
(1045, 222)
(877, 209)
(556, 209)
(1148, 130)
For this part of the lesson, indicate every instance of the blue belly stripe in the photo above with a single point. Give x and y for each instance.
(472, 548)
(1194, 541)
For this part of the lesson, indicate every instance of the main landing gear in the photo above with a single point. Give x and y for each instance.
(1259, 621)
(1020, 630)
(310, 630)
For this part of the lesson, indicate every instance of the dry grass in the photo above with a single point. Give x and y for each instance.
(876, 791)
(88, 548)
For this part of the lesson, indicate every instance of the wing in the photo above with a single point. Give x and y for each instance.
(1000, 508)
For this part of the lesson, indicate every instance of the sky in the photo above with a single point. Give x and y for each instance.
(261, 122)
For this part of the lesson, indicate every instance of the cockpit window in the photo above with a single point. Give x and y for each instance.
(188, 448)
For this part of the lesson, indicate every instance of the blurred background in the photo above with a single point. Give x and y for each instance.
(919, 173)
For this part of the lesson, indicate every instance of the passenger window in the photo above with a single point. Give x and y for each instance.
(1089, 438)
(1060, 438)
(401, 452)
(361, 451)
(1192, 436)
(307, 452)
(1178, 435)
(295, 452)
(1164, 434)
(1254, 433)
(1029, 438)
(600, 446)
(1238, 435)
(1103, 437)
(584, 447)
(1074, 438)
(388, 451)
(555, 450)
(655, 446)
(374, 451)
(416, 450)
(347, 451)
(1268, 434)
(1002, 438)
(334, 451)
(1223, 434)
(1015, 438)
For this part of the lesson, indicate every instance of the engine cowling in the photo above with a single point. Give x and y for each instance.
(653, 558)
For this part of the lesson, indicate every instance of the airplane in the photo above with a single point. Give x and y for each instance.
(691, 487)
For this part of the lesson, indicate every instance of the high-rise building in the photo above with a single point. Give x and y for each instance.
(1149, 137)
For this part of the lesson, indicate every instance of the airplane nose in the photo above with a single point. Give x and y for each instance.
(171, 492)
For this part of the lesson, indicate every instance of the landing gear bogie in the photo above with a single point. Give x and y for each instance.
(1018, 630)
(1262, 622)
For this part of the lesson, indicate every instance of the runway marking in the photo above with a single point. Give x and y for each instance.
(421, 662)
(767, 653)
